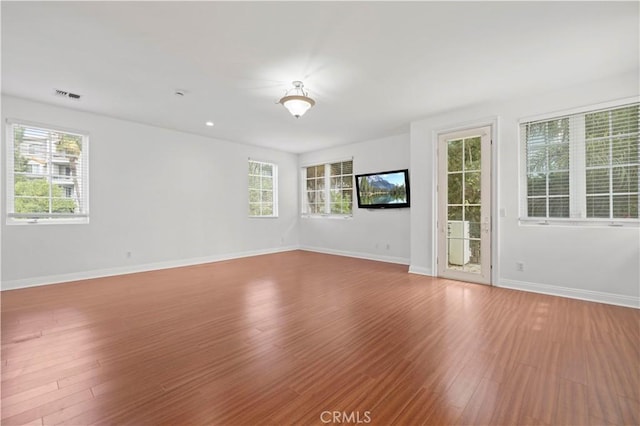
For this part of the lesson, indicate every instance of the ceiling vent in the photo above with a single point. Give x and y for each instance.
(64, 94)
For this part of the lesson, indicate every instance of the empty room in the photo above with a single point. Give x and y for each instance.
(287, 213)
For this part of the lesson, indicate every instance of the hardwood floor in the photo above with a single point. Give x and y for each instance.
(292, 338)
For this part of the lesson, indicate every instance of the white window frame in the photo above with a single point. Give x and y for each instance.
(45, 219)
(274, 191)
(577, 171)
(327, 191)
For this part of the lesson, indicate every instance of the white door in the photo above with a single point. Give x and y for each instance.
(464, 205)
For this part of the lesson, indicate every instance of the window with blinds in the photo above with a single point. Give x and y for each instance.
(263, 195)
(328, 189)
(583, 166)
(47, 175)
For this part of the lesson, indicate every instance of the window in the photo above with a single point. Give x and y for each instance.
(37, 191)
(328, 189)
(583, 166)
(263, 183)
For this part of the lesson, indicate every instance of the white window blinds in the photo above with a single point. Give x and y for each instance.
(47, 175)
(583, 166)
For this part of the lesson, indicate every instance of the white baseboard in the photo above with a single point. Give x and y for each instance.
(359, 255)
(122, 270)
(573, 293)
(420, 270)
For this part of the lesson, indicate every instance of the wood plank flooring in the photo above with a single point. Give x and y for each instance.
(291, 338)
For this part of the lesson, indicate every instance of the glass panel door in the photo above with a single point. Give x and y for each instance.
(464, 219)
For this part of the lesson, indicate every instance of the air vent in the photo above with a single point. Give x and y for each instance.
(65, 94)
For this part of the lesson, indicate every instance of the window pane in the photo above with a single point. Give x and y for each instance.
(598, 181)
(267, 183)
(472, 153)
(31, 205)
(475, 254)
(336, 169)
(311, 184)
(267, 209)
(625, 179)
(625, 120)
(454, 213)
(472, 188)
(559, 207)
(254, 168)
(311, 197)
(254, 209)
(472, 217)
(537, 207)
(267, 196)
(559, 157)
(347, 167)
(625, 206)
(537, 159)
(537, 184)
(598, 206)
(254, 195)
(597, 153)
(454, 155)
(254, 182)
(347, 182)
(557, 131)
(320, 183)
(454, 188)
(559, 183)
(597, 125)
(311, 172)
(336, 182)
(267, 169)
(625, 151)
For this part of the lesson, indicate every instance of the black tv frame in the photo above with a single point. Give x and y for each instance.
(384, 206)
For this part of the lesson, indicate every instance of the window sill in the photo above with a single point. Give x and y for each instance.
(327, 216)
(608, 223)
(35, 222)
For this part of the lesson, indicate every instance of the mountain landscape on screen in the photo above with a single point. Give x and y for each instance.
(380, 190)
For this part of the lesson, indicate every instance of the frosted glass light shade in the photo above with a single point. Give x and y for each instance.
(297, 105)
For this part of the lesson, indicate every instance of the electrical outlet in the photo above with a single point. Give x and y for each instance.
(520, 266)
(388, 246)
(128, 254)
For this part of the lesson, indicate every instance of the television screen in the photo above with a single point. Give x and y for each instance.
(383, 190)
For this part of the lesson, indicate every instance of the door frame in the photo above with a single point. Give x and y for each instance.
(494, 124)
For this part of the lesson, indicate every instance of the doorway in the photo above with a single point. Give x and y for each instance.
(464, 205)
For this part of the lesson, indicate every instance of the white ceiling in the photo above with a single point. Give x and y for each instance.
(371, 66)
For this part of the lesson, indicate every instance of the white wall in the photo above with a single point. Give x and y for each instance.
(373, 234)
(595, 263)
(170, 198)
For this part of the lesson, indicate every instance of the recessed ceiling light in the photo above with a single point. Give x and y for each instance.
(209, 123)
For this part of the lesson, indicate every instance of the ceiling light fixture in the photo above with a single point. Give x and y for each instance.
(298, 102)
(209, 123)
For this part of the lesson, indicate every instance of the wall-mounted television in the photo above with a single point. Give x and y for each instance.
(384, 190)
